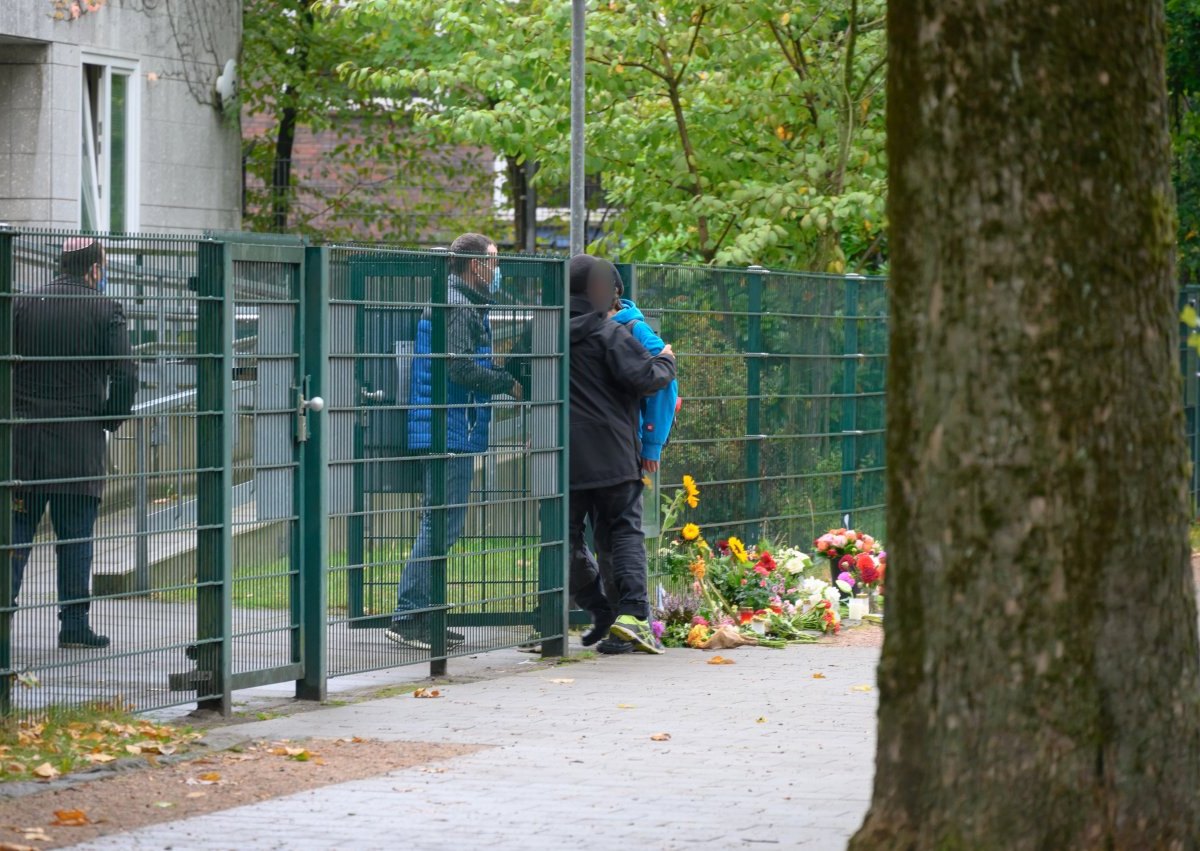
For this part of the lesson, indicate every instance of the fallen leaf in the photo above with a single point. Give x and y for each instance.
(626, 706)
(720, 660)
(37, 834)
(46, 771)
(761, 721)
(818, 676)
(99, 757)
(133, 749)
(15, 768)
(164, 805)
(565, 681)
(12, 846)
(70, 818)
(860, 688)
(661, 737)
(210, 777)
(425, 692)
(196, 794)
(303, 756)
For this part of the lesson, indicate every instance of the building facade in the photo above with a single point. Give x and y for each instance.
(120, 115)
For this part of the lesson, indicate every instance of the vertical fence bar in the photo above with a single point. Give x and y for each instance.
(214, 480)
(850, 356)
(554, 562)
(754, 435)
(7, 237)
(313, 479)
(439, 417)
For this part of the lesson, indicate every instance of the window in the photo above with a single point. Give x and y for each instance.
(108, 197)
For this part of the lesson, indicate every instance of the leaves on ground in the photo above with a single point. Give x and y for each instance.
(563, 681)
(70, 818)
(661, 737)
(818, 676)
(626, 706)
(721, 660)
(427, 692)
(65, 740)
(861, 688)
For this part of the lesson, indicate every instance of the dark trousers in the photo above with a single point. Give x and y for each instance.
(616, 512)
(74, 519)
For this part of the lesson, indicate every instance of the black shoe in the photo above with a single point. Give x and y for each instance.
(82, 637)
(613, 646)
(603, 621)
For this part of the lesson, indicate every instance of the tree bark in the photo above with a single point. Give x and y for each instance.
(1039, 680)
(285, 137)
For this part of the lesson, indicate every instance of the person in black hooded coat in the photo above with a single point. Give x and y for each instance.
(611, 372)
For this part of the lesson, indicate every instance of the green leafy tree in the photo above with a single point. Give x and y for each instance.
(732, 132)
(379, 177)
(1183, 80)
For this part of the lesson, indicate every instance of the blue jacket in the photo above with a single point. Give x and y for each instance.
(471, 377)
(658, 411)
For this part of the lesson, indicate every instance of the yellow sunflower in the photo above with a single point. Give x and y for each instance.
(690, 532)
(693, 492)
(738, 550)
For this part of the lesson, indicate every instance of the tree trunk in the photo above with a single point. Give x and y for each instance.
(281, 170)
(524, 203)
(285, 137)
(1039, 677)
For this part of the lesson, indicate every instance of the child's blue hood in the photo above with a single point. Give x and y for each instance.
(628, 313)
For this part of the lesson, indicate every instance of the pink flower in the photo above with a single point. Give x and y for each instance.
(699, 621)
(658, 628)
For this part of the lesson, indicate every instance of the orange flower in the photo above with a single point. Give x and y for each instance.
(698, 569)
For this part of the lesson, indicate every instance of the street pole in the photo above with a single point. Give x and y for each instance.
(578, 14)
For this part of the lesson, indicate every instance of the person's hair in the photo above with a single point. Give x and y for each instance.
(472, 244)
(581, 271)
(78, 261)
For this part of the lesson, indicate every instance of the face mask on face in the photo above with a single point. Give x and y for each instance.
(497, 282)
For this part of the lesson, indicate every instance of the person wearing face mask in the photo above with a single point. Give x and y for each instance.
(472, 379)
(77, 382)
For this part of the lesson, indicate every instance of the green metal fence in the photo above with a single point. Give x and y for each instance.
(258, 506)
(262, 502)
(782, 377)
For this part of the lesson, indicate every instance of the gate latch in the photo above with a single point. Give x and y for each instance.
(303, 406)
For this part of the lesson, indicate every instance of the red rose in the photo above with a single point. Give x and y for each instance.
(765, 560)
(869, 574)
(846, 563)
(864, 560)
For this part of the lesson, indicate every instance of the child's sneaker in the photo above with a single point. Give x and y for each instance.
(638, 633)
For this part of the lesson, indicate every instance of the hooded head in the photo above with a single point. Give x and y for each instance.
(596, 280)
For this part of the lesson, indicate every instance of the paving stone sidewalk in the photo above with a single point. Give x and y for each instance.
(761, 755)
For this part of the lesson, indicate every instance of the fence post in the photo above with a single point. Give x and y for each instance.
(554, 560)
(850, 358)
(214, 480)
(313, 478)
(754, 435)
(7, 237)
(439, 369)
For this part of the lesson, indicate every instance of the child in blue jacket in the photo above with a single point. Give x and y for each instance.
(658, 411)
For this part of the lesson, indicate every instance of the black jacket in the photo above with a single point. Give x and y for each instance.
(94, 378)
(610, 374)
